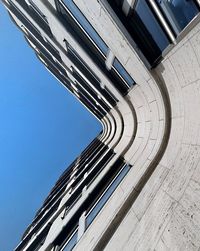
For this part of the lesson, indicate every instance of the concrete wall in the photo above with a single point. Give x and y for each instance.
(166, 214)
(156, 129)
(157, 205)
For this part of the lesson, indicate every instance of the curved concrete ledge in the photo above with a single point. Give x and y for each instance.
(166, 214)
(119, 128)
(143, 141)
(145, 145)
(156, 115)
(128, 128)
(156, 129)
(110, 129)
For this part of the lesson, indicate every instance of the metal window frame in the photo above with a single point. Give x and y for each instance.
(169, 30)
(164, 24)
(80, 27)
(117, 72)
(63, 246)
(37, 10)
(122, 168)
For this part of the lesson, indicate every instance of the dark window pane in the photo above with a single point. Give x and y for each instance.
(39, 240)
(34, 6)
(86, 26)
(53, 50)
(144, 28)
(178, 12)
(151, 24)
(122, 72)
(118, 82)
(71, 243)
(82, 66)
(36, 16)
(106, 196)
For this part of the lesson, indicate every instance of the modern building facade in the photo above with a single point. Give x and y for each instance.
(135, 64)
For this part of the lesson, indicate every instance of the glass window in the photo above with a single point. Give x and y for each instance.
(109, 96)
(71, 243)
(154, 29)
(82, 66)
(39, 240)
(52, 50)
(178, 12)
(101, 202)
(26, 23)
(34, 6)
(42, 23)
(86, 26)
(144, 28)
(122, 72)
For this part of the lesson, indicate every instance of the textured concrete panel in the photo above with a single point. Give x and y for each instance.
(164, 208)
(180, 174)
(182, 232)
(126, 228)
(149, 191)
(152, 224)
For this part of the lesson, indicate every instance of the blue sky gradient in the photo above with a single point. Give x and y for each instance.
(42, 129)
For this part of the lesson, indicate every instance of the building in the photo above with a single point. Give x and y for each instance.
(136, 66)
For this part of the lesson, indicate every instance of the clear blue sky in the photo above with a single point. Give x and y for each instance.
(42, 129)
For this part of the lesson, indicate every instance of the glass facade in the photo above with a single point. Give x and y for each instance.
(104, 198)
(38, 17)
(179, 13)
(92, 43)
(72, 242)
(144, 28)
(36, 9)
(94, 202)
(150, 24)
(145, 23)
(122, 72)
(86, 26)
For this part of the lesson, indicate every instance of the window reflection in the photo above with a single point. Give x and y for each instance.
(146, 31)
(101, 202)
(124, 74)
(178, 12)
(153, 27)
(86, 25)
(71, 243)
